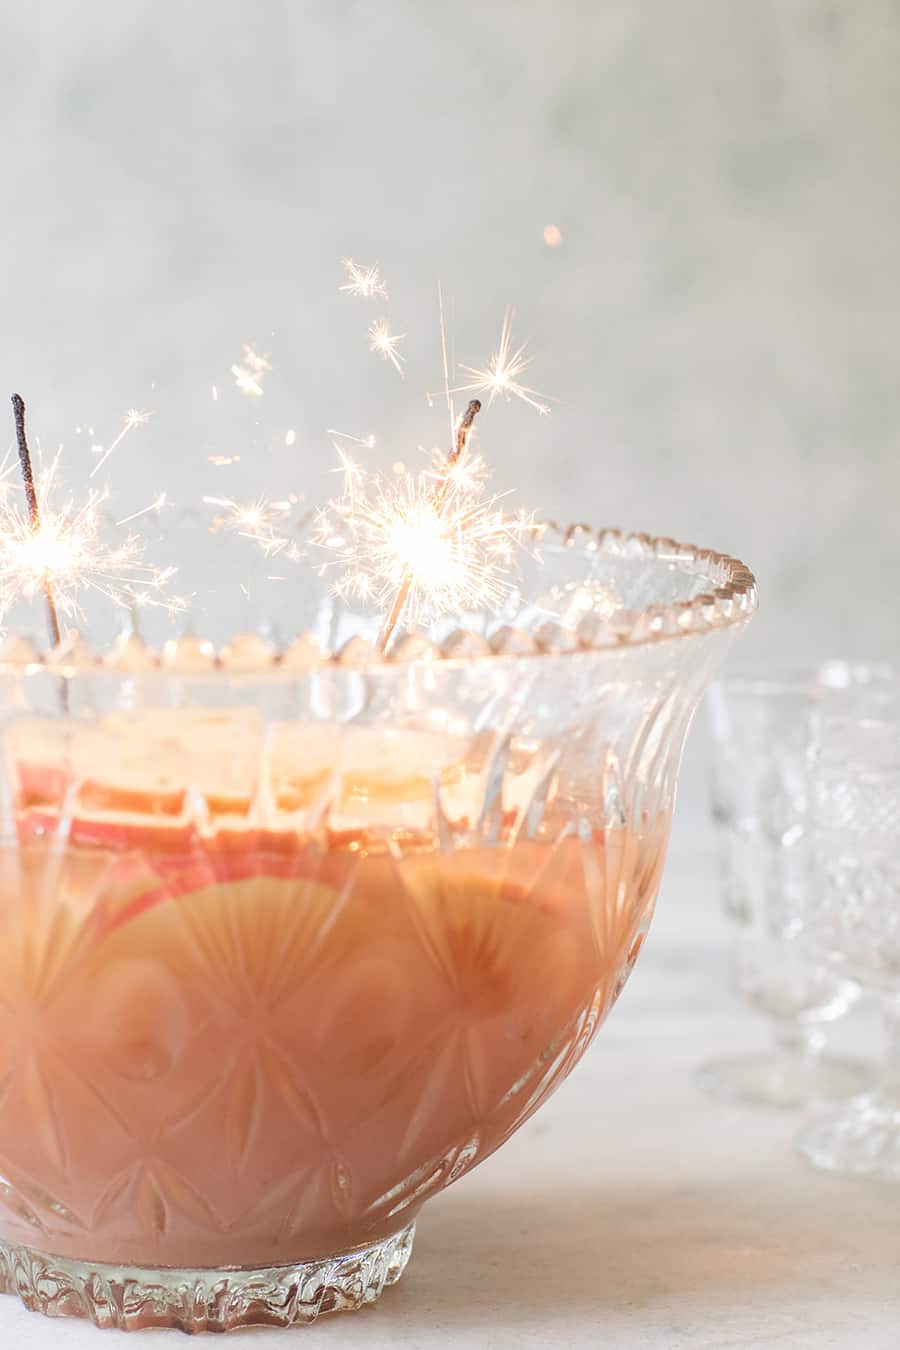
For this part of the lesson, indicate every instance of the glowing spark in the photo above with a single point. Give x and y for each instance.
(384, 342)
(133, 418)
(176, 604)
(219, 460)
(364, 281)
(382, 533)
(354, 474)
(215, 394)
(290, 436)
(255, 521)
(250, 372)
(445, 360)
(367, 441)
(469, 473)
(68, 552)
(502, 372)
(135, 515)
(552, 236)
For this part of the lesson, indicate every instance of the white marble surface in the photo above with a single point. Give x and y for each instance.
(632, 1211)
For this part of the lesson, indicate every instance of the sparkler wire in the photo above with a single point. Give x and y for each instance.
(34, 510)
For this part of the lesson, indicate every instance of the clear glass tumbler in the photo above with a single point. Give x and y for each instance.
(289, 943)
(855, 923)
(762, 730)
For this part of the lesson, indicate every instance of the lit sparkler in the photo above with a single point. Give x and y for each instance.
(467, 473)
(133, 418)
(364, 281)
(500, 376)
(385, 343)
(250, 371)
(59, 551)
(421, 544)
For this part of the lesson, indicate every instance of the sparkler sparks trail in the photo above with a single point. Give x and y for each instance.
(256, 521)
(367, 441)
(364, 281)
(133, 418)
(65, 552)
(502, 371)
(145, 510)
(384, 342)
(423, 548)
(250, 372)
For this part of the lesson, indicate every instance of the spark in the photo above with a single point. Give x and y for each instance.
(7, 468)
(67, 552)
(215, 394)
(500, 376)
(250, 372)
(256, 521)
(552, 236)
(445, 361)
(354, 474)
(367, 441)
(452, 551)
(136, 515)
(290, 436)
(468, 473)
(364, 281)
(134, 417)
(175, 604)
(219, 460)
(384, 342)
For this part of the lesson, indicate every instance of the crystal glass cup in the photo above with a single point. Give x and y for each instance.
(762, 731)
(289, 942)
(855, 923)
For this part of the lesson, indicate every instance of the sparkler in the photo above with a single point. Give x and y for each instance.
(35, 532)
(60, 551)
(427, 542)
(500, 376)
(428, 527)
(364, 281)
(432, 541)
(133, 418)
(383, 341)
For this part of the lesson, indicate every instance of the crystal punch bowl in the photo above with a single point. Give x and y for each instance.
(287, 948)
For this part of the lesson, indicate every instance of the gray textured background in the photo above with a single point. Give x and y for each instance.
(720, 324)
